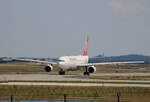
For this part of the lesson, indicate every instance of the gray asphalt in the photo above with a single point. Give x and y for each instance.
(122, 74)
(45, 77)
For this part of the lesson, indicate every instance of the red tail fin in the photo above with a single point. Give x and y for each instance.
(86, 46)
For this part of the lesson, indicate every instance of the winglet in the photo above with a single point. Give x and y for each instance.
(86, 46)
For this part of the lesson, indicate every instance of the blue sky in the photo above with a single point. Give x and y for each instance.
(53, 28)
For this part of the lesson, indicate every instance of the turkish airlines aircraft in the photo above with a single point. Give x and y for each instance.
(66, 63)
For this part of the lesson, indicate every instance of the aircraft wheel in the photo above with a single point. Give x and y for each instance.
(86, 73)
(61, 72)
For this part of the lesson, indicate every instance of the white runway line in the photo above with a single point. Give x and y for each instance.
(75, 84)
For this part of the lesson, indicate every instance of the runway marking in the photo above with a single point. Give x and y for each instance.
(76, 84)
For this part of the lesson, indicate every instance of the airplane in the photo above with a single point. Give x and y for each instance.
(66, 63)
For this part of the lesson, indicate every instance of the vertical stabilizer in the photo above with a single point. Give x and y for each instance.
(86, 47)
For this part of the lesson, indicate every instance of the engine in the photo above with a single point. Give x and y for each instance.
(48, 68)
(92, 69)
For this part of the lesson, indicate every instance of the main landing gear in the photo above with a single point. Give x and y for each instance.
(86, 71)
(61, 72)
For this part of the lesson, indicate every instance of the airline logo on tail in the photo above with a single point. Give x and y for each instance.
(86, 47)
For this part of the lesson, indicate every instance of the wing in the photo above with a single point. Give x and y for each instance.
(37, 61)
(108, 63)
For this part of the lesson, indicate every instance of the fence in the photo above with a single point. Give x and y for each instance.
(62, 98)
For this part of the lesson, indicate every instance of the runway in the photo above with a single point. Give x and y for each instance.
(46, 77)
(123, 74)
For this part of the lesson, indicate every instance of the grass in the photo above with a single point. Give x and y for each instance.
(128, 94)
(27, 68)
(18, 68)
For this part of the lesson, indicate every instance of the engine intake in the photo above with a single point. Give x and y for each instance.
(48, 68)
(91, 69)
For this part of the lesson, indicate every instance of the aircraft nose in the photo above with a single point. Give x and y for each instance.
(60, 63)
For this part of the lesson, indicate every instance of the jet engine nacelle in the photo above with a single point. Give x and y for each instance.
(48, 68)
(92, 69)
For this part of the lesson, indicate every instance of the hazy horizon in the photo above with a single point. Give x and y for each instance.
(53, 28)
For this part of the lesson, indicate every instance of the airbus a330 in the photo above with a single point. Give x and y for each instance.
(66, 63)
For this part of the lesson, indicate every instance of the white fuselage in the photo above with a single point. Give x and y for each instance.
(72, 62)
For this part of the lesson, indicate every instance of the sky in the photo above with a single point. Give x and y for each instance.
(53, 28)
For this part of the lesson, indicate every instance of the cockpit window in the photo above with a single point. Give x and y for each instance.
(62, 60)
